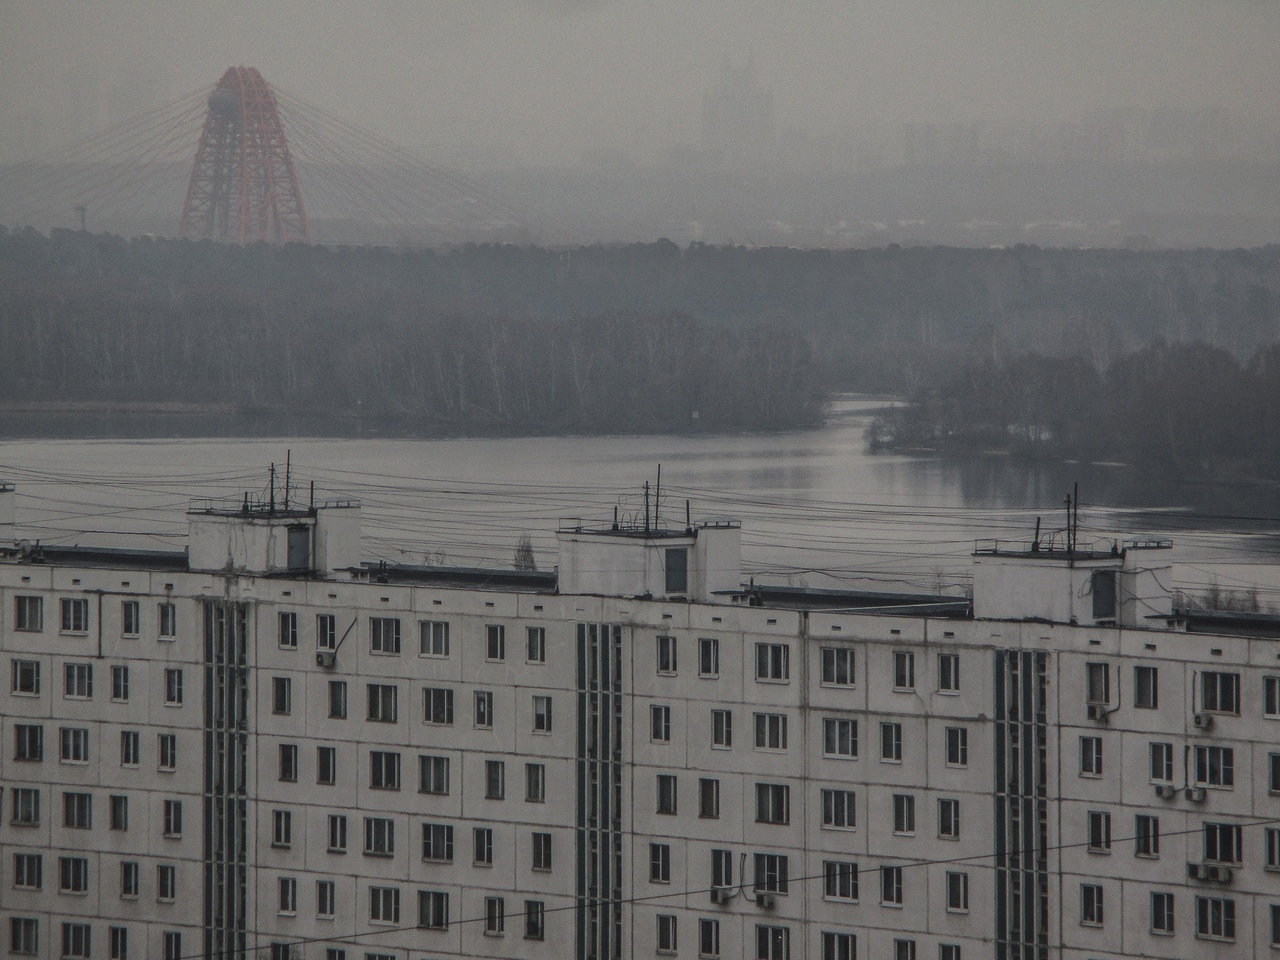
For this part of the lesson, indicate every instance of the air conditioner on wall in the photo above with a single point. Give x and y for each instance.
(721, 894)
(1166, 791)
(326, 659)
(1197, 871)
(1218, 874)
(765, 900)
(1097, 711)
(1203, 721)
(1195, 794)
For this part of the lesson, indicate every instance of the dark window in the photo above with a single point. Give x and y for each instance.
(677, 570)
(1104, 594)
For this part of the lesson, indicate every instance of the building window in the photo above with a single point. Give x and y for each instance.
(1215, 918)
(771, 731)
(326, 898)
(709, 798)
(948, 673)
(1091, 905)
(722, 868)
(840, 738)
(172, 945)
(282, 828)
(677, 572)
(495, 780)
(948, 818)
(29, 614)
(1097, 683)
(173, 687)
(433, 639)
(118, 942)
(1099, 832)
(337, 833)
(536, 648)
(73, 875)
(708, 657)
(1223, 843)
(840, 880)
(437, 706)
(167, 617)
(433, 909)
(173, 818)
(28, 871)
(335, 953)
(78, 681)
(129, 618)
(483, 709)
(1146, 688)
(666, 655)
(75, 615)
(666, 933)
(666, 793)
(437, 842)
(1271, 697)
(482, 846)
(1273, 770)
(891, 742)
(1091, 756)
(120, 684)
(891, 886)
(541, 851)
(659, 863)
(26, 677)
(904, 670)
(1215, 766)
(1146, 836)
(1162, 913)
(73, 744)
(288, 763)
(288, 904)
(77, 810)
(1161, 762)
(337, 699)
(1275, 924)
(535, 782)
(659, 723)
(837, 667)
(708, 938)
(28, 742)
(384, 904)
(1220, 692)
(168, 752)
(839, 809)
(129, 879)
(495, 642)
(773, 662)
(771, 873)
(722, 729)
(281, 696)
(166, 883)
(957, 892)
(773, 942)
(773, 803)
(384, 635)
(76, 938)
(326, 631)
(433, 775)
(904, 950)
(288, 624)
(541, 714)
(326, 765)
(384, 770)
(904, 814)
(26, 806)
(957, 746)
(383, 702)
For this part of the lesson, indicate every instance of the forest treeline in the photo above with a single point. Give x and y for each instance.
(1190, 409)
(639, 337)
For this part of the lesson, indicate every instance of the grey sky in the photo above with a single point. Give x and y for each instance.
(547, 80)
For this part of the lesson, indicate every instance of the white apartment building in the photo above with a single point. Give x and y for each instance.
(261, 745)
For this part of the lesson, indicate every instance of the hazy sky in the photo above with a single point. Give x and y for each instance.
(547, 80)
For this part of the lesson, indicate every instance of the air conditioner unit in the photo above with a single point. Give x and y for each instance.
(326, 659)
(1166, 791)
(1097, 711)
(1218, 874)
(1197, 871)
(764, 900)
(1195, 794)
(722, 894)
(1203, 721)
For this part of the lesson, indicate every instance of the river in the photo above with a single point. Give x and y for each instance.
(817, 509)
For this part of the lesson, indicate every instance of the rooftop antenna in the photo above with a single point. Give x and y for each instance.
(1035, 543)
(272, 498)
(657, 499)
(313, 494)
(288, 465)
(688, 520)
(646, 506)
(1075, 517)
